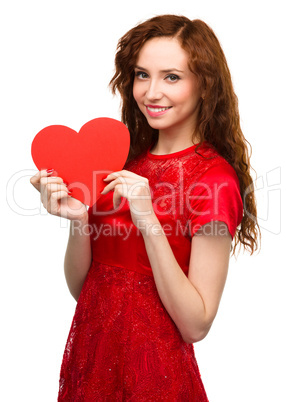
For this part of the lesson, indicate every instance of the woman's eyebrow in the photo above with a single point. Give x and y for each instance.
(161, 71)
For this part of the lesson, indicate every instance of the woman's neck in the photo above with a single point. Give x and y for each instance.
(167, 145)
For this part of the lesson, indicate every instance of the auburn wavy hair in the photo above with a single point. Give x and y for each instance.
(218, 119)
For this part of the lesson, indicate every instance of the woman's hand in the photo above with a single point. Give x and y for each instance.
(56, 197)
(136, 190)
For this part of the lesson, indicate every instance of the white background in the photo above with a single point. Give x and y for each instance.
(56, 63)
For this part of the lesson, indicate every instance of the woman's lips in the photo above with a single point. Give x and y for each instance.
(157, 110)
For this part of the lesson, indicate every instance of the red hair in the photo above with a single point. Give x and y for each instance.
(218, 119)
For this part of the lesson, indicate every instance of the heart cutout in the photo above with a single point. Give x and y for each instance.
(85, 158)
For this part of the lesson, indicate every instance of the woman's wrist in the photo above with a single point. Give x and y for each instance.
(80, 224)
(80, 217)
(150, 227)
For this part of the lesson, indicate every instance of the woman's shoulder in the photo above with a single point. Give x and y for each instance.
(219, 171)
(213, 164)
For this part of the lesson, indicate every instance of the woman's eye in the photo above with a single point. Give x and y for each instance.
(173, 77)
(141, 74)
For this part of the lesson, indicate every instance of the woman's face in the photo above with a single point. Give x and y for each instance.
(166, 91)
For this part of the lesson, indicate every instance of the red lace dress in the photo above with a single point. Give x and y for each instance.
(123, 345)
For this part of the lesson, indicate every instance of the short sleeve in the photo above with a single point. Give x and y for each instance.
(216, 197)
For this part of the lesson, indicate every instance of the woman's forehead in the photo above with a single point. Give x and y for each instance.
(163, 53)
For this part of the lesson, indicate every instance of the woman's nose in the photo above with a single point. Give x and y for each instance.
(154, 90)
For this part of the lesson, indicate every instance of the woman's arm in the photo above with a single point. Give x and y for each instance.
(192, 301)
(78, 256)
(57, 201)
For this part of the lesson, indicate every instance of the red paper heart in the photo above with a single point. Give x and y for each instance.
(83, 159)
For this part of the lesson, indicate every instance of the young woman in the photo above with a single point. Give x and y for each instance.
(148, 262)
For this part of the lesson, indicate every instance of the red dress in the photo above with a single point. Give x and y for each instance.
(123, 345)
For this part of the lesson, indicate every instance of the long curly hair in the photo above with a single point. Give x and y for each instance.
(218, 119)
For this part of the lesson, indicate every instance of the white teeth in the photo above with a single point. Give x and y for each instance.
(159, 109)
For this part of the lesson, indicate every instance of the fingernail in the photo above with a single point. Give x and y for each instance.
(49, 170)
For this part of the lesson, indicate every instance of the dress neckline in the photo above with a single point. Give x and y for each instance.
(171, 155)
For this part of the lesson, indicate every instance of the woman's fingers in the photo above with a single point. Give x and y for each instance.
(53, 205)
(55, 196)
(129, 185)
(134, 193)
(36, 179)
(52, 189)
(120, 180)
(50, 197)
(124, 174)
(49, 188)
(49, 184)
(44, 180)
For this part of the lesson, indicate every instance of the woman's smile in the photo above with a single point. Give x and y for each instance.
(155, 111)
